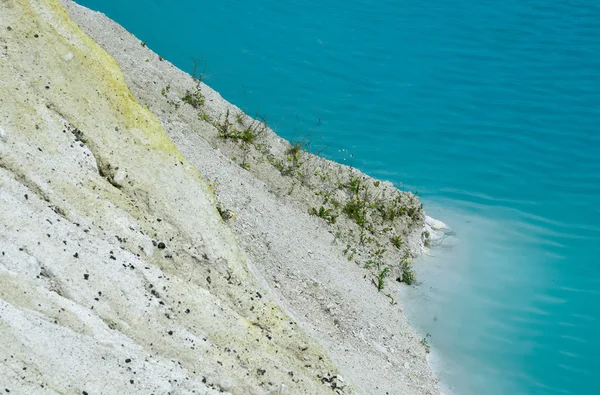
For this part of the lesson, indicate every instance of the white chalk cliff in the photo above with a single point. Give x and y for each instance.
(118, 274)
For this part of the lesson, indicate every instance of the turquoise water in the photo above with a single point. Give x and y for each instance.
(491, 110)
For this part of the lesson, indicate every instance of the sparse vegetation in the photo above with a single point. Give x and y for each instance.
(425, 342)
(397, 241)
(379, 280)
(225, 213)
(426, 239)
(194, 98)
(247, 134)
(370, 217)
(408, 275)
(355, 209)
(327, 214)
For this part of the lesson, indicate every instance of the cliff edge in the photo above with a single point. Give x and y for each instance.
(154, 238)
(117, 274)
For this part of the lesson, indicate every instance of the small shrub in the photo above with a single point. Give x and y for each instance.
(408, 274)
(355, 210)
(379, 280)
(397, 241)
(354, 186)
(326, 214)
(426, 240)
(248, 135)
(194, 98)
(425, 342)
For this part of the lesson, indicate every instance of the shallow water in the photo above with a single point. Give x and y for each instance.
(491, 110)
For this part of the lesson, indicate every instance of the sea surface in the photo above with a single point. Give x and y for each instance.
(489, 109)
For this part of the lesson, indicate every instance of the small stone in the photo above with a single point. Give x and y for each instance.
(406, 365)
(3, 134)
(225, 385)
(86, 276)
(67, 57)
(161, 246)
(119, 178)
(128, 360)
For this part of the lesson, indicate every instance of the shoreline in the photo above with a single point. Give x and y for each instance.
(328, 307)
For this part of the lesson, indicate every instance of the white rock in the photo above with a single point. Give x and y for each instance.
(435, 224)
(33, 264)
(225, 385)
(67, 57)
(282, 390)
(3, 134)
(119, 178)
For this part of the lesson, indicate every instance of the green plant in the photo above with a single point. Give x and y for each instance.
(326, 214)
(372, 263)
(355, 210)
(240, 117)
(248, 135)
(379, 280)
(354, 185)
(143, 43)
(408, 275)
(426, 239)
(397, 241)
(161, 58)
(226, 214)
(425, 342)
(194, 98)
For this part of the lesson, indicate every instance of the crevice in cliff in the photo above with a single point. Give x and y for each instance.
(21, 177)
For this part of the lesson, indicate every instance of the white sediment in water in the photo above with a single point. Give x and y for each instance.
(117, 274)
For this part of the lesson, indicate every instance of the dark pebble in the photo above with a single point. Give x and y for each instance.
(86, 276)
(161, 246)
(170, 333)
(76, 255)
(128, 360)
